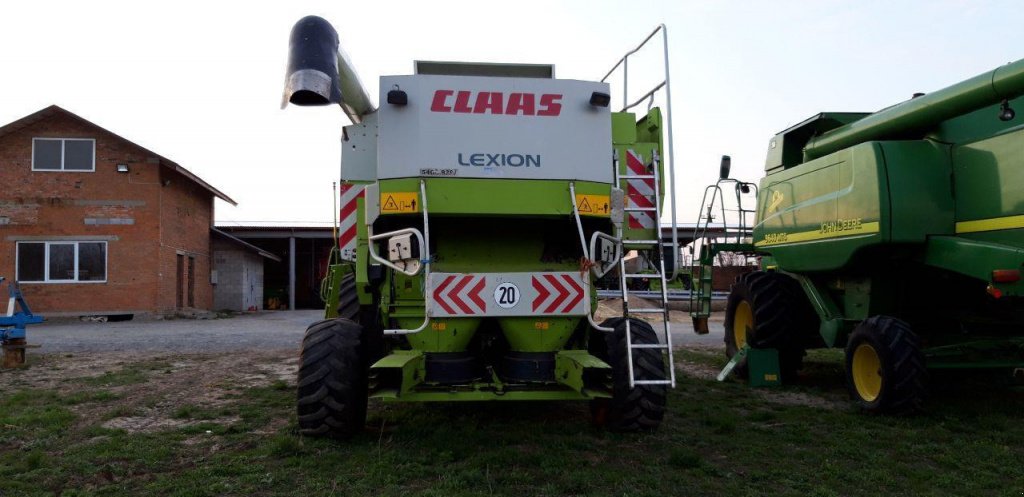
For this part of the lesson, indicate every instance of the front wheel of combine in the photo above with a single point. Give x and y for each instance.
(332, 380)
(885, 369)
(767, 310)
(641, 407)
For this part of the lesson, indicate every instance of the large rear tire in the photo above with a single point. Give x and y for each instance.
(332, 389)
(885, 369)
(768, 310)
(640, 408)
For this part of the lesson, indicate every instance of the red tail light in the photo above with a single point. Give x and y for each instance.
(1006, 276)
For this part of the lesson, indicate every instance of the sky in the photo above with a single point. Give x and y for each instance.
(201, 82)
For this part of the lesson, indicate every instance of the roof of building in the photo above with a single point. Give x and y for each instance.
(244, 244)
(54, 110)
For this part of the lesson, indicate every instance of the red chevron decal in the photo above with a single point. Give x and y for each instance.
(576, 288)
(438, 295)
(562, 293)
(454, 294)
(474, 295)
(542, 293)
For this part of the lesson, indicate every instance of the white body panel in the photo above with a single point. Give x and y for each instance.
(488, 127)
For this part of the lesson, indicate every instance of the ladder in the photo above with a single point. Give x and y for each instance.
(735, 238)
(655, 247)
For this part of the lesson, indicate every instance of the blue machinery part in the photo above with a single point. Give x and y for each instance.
(12, 326)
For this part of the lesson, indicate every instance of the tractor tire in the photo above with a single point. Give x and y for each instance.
(642, 407)
(768, 310)
(332, 384)
(885, 369)
(348, 301)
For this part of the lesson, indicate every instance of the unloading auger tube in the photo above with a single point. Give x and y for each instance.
(1003, 83)
(319, 72)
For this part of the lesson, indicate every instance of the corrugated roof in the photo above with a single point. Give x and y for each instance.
(54, 110)
(245, 244)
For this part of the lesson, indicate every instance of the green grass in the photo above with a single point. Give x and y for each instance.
(718, 439)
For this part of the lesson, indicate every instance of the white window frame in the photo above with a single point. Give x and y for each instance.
(62, 169)
(46, 262)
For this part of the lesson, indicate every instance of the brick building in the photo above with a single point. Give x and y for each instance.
(91, 223)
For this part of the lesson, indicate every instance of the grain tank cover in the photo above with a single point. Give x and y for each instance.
(494, 127)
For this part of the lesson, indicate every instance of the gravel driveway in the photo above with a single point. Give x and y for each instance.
(267, 330)
(270, 330)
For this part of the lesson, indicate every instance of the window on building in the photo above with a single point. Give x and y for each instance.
(62, 262)
(63, 154)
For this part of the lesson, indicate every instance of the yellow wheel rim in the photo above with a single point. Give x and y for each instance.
(742, 321)
(867, 372)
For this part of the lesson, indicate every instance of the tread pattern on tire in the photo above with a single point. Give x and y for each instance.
(332, 380)
(642, 407)
(904, 373)
(782, 316)
(348, 301)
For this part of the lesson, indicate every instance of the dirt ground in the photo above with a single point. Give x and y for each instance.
(155, 369)
(151, 389)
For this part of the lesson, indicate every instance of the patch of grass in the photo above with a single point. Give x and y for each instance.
(684, 458)
(91, 396)
(133, 373)
(122, 411)
(717, 439)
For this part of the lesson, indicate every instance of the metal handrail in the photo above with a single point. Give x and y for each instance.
(667, 85)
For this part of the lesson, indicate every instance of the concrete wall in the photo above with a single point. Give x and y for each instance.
(143, 221)
(239, 278)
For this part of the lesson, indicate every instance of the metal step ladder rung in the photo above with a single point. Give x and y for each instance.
(649, 346)
(647, 310)
(641, 242)
(642, 275)
(652, 382)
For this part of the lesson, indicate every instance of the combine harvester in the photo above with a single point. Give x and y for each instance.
(479, 204)
(897, 235)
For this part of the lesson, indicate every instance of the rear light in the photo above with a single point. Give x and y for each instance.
(993, 291)
(1005, 275)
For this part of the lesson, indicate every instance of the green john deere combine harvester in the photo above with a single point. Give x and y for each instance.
(478, 205)
(898, 235)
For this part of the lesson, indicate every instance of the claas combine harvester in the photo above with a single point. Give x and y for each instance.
(897, 235)
(479, 203)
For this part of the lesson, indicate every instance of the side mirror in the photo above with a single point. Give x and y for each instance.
(723, 170)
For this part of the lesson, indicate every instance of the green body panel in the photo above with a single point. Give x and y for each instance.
(907, 212)
(834, 200)
(537, 334)
(488, 197)
(990, 172)
(570, 366)
(409, 364)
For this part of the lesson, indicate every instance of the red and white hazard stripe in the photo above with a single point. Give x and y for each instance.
(639, 193)
(350, 193)
(557, 294)
(461, 295)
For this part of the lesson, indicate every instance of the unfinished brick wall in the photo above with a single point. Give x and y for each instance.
(142, 220)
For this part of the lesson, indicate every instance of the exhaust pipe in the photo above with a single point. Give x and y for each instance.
(319, 73)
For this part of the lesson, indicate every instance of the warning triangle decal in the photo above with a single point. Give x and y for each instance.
(585, 206)
(390, 205)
